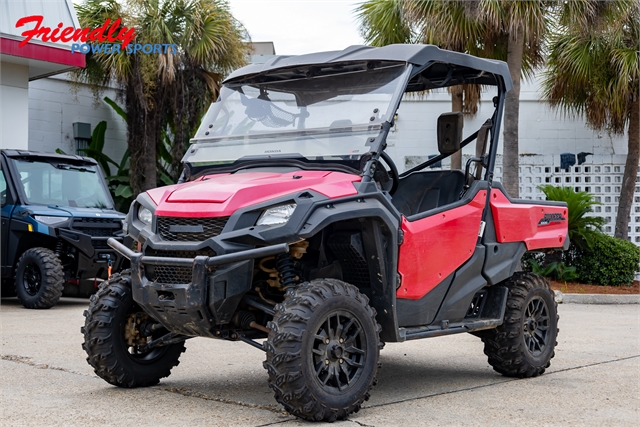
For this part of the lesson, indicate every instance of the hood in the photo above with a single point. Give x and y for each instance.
(71, 211)
(223, 194)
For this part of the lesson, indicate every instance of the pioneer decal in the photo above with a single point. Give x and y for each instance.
(174, 228)
(550, 219)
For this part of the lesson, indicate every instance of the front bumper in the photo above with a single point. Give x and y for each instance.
(217, 285)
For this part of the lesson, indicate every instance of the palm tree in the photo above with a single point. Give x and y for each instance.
(511, 31)
(525, 25)
(594, 69)
(168, 89)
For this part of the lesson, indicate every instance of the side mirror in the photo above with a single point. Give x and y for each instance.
(450, 132)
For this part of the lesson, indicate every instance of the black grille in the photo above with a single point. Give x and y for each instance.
(97, 227)
(190, 229)
(168, 275)
(100, 244)
(97, 232)
(172, 275)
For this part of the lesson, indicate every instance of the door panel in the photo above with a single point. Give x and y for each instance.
(435, 246)
(538, 226)
(7, 208)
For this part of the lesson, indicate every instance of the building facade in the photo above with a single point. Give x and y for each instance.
(22, 63)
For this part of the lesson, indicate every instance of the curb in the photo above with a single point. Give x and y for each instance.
(595, 298)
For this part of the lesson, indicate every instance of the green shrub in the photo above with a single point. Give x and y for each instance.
(609, 261)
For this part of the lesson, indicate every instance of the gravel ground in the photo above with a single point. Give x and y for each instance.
(594, 380)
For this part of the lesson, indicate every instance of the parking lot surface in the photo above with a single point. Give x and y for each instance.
(594, 380)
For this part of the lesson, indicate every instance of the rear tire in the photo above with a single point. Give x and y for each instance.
(112, 315)
(323, 350)
(39, 278)
(524, 344)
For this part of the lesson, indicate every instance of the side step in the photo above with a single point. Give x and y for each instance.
(491, 315)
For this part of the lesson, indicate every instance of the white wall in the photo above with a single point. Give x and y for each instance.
(54, 107)
(14, 109)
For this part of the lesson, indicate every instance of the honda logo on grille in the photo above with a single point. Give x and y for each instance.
(185, 228)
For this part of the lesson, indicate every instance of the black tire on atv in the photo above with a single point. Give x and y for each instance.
(323, 350)
(524, 344)
(112, 313)
(39, 278)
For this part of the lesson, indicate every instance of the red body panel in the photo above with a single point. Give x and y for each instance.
(224, 194)
(436, 246)
(538, 226)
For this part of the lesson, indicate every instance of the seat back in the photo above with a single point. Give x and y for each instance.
(423, 191)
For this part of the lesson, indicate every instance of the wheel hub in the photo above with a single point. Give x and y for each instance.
(335, 350)
(339, 351)
(536, 326)
(32, 279)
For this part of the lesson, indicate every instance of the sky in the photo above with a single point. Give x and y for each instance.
(300, 26)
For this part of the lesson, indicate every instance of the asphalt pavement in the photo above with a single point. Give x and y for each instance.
(594, 380)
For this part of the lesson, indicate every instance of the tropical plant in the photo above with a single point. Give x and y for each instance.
(583, 228)
(169, 88)
(555, 270)
(594, 70)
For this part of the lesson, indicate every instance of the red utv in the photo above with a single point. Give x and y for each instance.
(292, 231)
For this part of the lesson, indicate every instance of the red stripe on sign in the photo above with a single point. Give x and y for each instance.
(42, 53)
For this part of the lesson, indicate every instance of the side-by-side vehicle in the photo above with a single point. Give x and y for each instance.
(57, 215)
(293, 231)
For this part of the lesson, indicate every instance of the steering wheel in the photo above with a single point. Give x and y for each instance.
(391, 175)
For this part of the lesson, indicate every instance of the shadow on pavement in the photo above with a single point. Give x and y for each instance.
(64, 302)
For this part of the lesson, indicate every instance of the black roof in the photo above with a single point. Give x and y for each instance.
(49, 156)
(491, 72)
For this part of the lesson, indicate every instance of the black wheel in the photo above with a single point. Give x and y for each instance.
(113, 336)
(524, 344)
(323, 350)
(39, 278)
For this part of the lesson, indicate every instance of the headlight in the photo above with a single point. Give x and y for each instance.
(51, 220)
(144, 215)
(276, 215)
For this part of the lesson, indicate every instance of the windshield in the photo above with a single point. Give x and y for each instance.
(62, 184)
(292, 115)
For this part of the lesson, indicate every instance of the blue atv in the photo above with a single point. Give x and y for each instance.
(57, 215)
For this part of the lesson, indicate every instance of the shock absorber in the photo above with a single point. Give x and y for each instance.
(286, 271)
(58, 249)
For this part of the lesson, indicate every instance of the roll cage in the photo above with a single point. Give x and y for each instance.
(429, 68)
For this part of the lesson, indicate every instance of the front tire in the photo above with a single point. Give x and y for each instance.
(39, 278)
(112, 331)
(323, 350)
(524, 344)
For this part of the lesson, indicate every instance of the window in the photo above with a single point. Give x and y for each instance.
(3, 188)
(61, 184)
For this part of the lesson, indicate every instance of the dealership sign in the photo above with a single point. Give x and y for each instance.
(109, 38)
